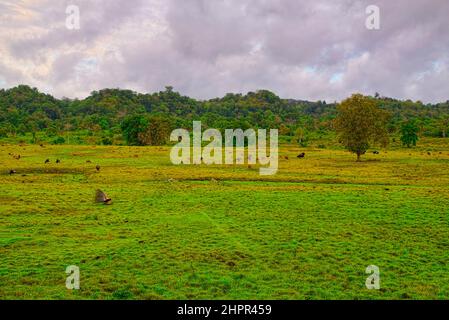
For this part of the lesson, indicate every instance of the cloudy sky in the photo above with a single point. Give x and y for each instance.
(304, 49)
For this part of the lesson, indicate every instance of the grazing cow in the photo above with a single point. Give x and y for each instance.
(58, 161)
(286, 157)
(428, 153)
(88, 161)
(100, 196)
(376, 152)
(47, 161)
(97, 167)
(11, 172)
(301, 155)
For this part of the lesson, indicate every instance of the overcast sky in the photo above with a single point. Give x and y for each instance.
(304, 49)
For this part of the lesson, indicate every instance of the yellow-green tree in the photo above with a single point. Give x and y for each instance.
(360, 123)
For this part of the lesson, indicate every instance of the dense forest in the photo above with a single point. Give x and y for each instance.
(114, 116)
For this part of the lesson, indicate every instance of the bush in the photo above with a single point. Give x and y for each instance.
(106, 141)
(3, 133)
(59, 140)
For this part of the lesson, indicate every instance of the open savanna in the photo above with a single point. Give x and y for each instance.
(224, 232)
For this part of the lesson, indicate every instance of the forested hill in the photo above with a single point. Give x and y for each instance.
(26, 110)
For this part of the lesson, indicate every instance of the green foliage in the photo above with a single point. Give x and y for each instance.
(3, 132)
(141, 130)
(132, 127)
(59, 140)
(361, 123)
(443, 125)
(107, 141)
(157, 131)
(302, 137)
(409, 133)
(24, 110)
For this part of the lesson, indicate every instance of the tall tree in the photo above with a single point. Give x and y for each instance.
(409, 133)
(132, 127)
(157, 131)
(360, 123)
(443, 124)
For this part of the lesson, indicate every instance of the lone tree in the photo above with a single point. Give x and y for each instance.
(409, 133)
(359, 123)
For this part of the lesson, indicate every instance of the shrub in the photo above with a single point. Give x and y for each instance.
(59, 140)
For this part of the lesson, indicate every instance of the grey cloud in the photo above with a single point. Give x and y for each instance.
(312, 49)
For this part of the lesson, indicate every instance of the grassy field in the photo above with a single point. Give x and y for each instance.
(224, 232)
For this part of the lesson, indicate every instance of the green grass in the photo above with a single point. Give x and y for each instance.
(308, 232)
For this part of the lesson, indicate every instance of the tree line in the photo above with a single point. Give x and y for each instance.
(115, 116)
